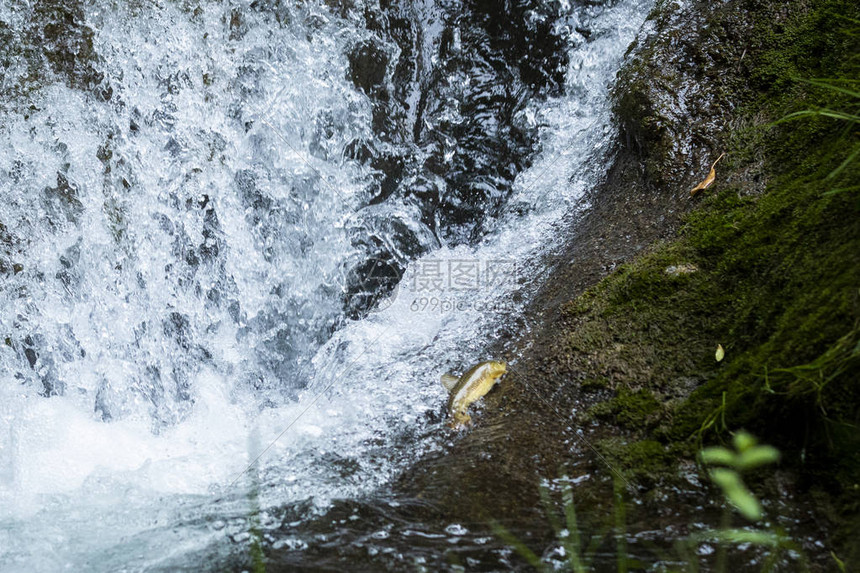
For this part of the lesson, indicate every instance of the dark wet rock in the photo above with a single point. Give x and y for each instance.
(63, 201)
(370, 282)
(10, 253)
(368, 66)
(54, 42)
(42, 364)
(679, 91)
(68, 42)
(236, 24)
(448, 143)
(178, 327)
(167, 397)
(101, 406)
(31, 355)
(278, 334)
(213, 241)
(501, 57)
(69, 274)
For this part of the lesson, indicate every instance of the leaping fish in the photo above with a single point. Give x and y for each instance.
(466, 389)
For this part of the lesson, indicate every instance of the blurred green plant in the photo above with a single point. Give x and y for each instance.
(568, 536)
(747, 455)
(724, 466)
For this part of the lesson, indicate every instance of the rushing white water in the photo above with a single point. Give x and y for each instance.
(183, 249)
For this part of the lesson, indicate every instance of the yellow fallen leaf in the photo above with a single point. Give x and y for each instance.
(720, 353)
(708, 180)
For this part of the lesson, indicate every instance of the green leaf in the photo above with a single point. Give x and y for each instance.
(837, 114)
(578, 562)
(848, 161)
(824, 83)
(717, 455)
(840, 190)
(549, 509)
(746, 503)
(757, 456)
(834, 114)
(743, 441)
(755, 537)
(737, 493)
(725, 478)
(839, 563)
(720, 354)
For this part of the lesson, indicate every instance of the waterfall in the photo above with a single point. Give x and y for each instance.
(196, 208)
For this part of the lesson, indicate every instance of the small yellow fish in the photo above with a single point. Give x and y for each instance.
(469, 387)
(712, 175)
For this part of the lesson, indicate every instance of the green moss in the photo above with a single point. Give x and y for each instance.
(772, 273)
(776, 285)
(588, 337)
(594, 384)
(634, 410)
(641, 460)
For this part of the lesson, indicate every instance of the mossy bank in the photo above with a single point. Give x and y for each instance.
(766, 263)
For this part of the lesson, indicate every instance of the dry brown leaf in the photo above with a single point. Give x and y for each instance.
(708, 180)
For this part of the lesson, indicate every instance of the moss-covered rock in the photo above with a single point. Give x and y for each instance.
(633, 410)
(643, 461)
(775, 244)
